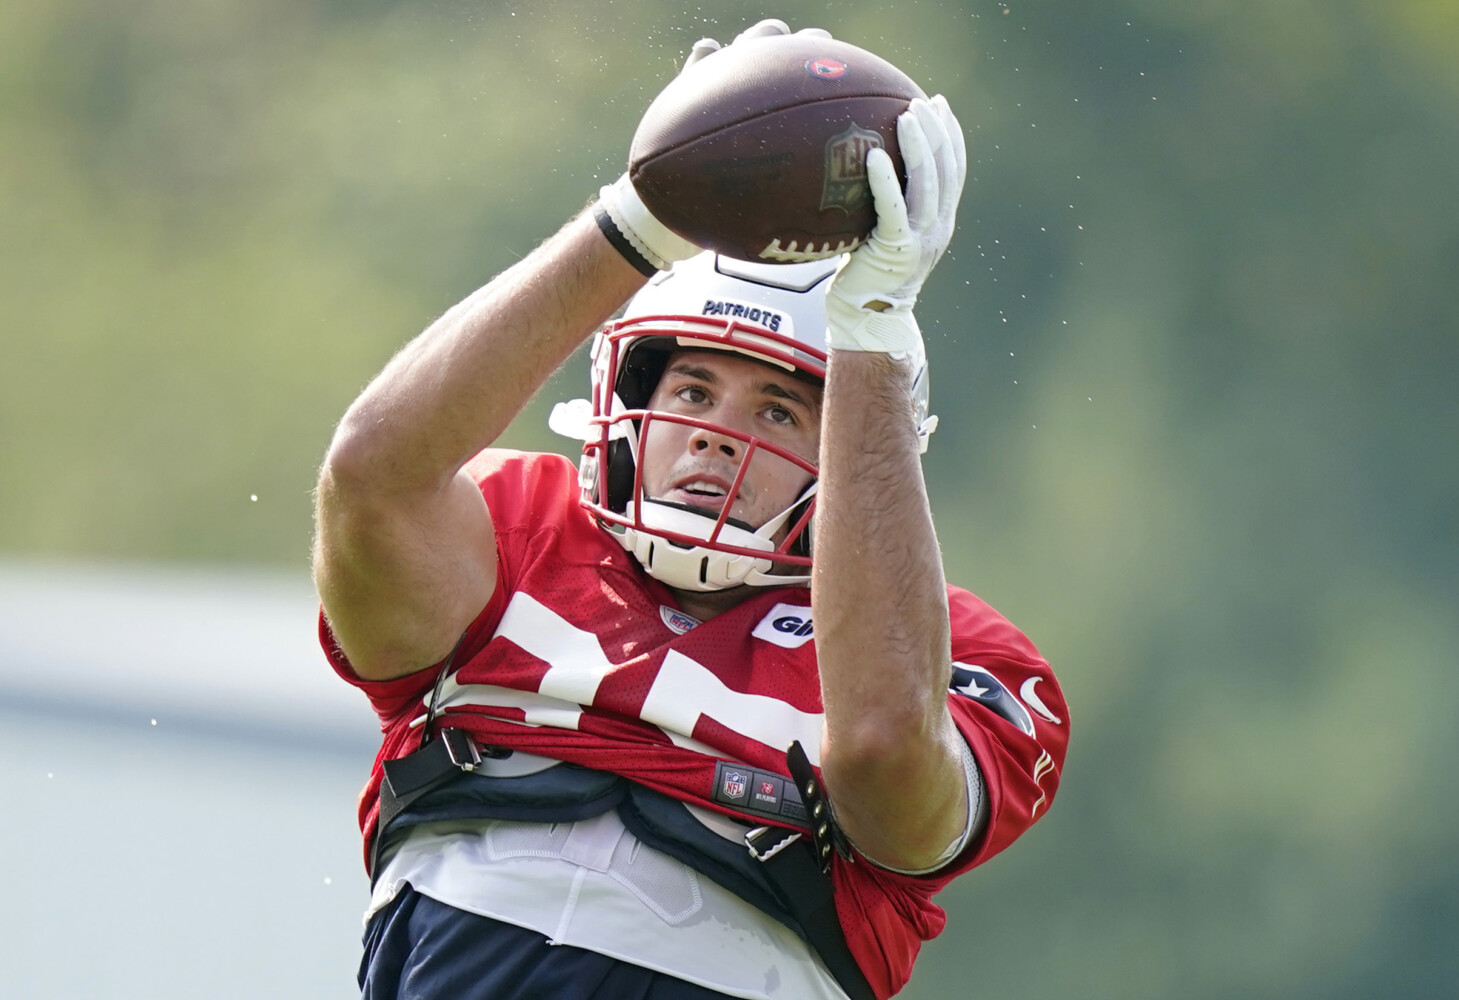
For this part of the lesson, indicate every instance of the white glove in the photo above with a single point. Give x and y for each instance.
(869, 306)
(762, 29)
(646, 242)
(656, 245)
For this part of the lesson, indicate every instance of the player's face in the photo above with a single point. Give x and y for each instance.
(694, 466)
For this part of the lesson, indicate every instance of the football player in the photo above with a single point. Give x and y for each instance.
(698, 716)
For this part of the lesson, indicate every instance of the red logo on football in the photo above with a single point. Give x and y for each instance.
(826, 69)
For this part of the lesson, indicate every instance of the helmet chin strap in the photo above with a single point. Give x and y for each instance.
(697, 567)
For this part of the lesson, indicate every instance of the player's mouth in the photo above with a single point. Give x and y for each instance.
(708, 492)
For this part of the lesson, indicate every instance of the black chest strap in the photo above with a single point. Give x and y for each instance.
(408, 779)
(776, 870)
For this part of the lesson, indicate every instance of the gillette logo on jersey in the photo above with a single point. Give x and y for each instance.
(788, 626)
(768, 318)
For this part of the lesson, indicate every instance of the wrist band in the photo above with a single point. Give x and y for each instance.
(620, 242)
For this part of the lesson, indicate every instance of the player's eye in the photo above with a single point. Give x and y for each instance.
(694, 394)
(777, 414)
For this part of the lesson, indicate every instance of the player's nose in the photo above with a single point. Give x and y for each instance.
(710, 440)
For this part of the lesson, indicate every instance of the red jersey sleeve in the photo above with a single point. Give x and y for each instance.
(1008, 706)
(527, 495)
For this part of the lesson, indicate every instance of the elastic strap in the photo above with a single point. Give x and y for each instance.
(826, 835)
(429, 766)
(806, 892)
(804, 876)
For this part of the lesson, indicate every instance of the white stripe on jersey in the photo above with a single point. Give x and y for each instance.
(575, 658)
(537, 709)
(684, 690)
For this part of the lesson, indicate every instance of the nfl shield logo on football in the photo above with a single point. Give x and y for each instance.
(845, 186)
(734, 784)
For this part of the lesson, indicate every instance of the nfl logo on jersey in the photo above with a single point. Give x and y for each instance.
(735, 784)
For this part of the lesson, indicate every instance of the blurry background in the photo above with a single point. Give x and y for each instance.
(1194, 352)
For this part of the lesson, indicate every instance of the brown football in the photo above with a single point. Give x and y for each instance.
(759, 150)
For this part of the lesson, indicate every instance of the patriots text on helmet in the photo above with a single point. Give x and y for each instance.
(768, 318)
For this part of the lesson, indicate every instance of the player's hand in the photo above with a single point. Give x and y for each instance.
(655, 243)
(764, 29)
(870, 303)
(657, 246)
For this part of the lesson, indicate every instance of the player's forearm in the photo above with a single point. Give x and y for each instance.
(454, 389)
(878, 588)
(880, 603)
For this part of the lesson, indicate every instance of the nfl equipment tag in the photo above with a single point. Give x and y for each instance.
(760, 793)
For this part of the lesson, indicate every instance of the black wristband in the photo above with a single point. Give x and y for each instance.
(620, 242)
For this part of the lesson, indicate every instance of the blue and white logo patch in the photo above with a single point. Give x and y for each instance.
(787, 625)
(975, 682)
(677, 621)
(734, 785)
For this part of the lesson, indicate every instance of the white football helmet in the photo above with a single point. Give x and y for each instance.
(774, 313)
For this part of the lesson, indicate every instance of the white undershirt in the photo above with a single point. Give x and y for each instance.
(593, 885)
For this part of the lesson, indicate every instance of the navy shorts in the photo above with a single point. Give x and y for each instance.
(419, 949)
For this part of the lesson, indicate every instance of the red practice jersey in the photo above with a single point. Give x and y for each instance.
(582, 657)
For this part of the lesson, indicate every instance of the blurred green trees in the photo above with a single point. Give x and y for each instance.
(1195, 351)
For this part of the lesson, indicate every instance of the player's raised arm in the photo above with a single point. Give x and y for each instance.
(892, 758)
(405, 554)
